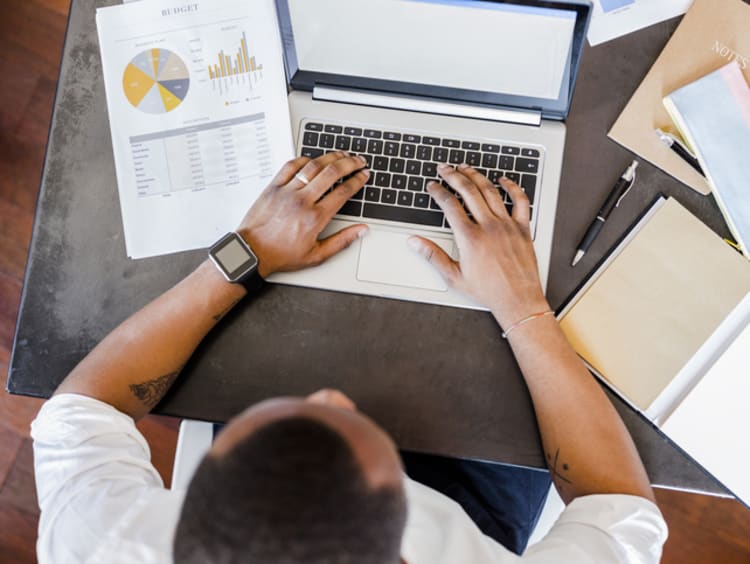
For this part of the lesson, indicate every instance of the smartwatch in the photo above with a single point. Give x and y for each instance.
(236, 261)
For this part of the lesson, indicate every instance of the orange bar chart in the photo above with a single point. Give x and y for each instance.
(236, 64)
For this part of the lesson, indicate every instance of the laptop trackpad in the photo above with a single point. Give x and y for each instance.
(384, 257)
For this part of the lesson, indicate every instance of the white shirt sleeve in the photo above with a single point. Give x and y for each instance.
(611, 528)
(616, 529)
(96, 485)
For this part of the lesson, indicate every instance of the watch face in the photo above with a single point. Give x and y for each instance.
(233, 257)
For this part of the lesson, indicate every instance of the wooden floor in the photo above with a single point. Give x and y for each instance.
(702, 529)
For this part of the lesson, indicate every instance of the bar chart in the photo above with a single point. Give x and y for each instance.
(237, 68)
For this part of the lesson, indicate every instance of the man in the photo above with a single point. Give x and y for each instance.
(296, 480)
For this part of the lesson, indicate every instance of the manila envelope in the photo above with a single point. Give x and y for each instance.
(711, 34)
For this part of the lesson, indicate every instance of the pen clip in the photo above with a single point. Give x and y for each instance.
(625, 193)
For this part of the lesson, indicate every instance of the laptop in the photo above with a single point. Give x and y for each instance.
(411, 84)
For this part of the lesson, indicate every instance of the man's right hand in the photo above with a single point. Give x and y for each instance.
(497, 265)
(284, 223)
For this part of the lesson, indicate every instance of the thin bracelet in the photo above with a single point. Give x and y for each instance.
(526, 320)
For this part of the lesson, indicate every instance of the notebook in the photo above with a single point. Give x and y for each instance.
(654, 318)
(710, 35)
(713, 116)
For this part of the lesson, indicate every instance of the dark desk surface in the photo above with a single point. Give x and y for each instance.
(438, 379)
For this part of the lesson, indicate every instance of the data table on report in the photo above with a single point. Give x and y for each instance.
(199, 157)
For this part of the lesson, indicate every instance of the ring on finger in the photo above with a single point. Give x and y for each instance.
(302, 178)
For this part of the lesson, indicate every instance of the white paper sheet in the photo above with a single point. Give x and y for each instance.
(711, 424)
(613, 18)
(194, 141)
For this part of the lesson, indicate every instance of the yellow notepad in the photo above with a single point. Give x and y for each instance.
(645, 313)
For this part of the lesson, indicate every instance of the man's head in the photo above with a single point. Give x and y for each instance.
(296, 480)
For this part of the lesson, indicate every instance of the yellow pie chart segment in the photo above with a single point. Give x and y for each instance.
(170, 100)
(136, 84)
(156, 81)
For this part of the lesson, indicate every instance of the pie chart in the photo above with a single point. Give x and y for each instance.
(156, 81)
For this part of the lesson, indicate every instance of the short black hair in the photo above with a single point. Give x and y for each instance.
(291, 492)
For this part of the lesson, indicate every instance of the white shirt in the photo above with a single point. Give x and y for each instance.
(102, 500)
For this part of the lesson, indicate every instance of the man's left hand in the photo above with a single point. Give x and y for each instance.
(283, 225)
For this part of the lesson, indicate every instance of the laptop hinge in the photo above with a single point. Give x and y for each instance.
(426, 105)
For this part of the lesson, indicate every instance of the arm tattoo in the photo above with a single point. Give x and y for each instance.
(558, 471)
(151, 391)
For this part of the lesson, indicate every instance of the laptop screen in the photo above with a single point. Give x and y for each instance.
(503, 52)
(470, 45)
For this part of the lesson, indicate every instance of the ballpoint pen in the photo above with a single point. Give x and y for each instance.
(673, 143)
(618, 192)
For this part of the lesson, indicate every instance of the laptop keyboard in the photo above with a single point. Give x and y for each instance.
(402, 164)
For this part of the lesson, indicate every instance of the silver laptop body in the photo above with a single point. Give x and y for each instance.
(366, 65)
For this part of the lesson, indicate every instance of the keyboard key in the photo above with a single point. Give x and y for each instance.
(359, 145)
(398, 181)
(422, 200)
(374, 147)
(390, 149)
(382, 179)
(473, 158)
(397, 165)
(440, 155)
(511, 150)
(528, 183)
(391, 136)
(353, 131)
(471, 145)
(434, 205)
(457, 156)
(359, 195)
(489, 160)
(326, 141)
(343, 143)
(530, 153)
(429, 170)
(413, 167)
(373, 134)
(488, 148)
(388, 196)
(380, 163)
(311, 153)
(310, 139)
(509, 207)
(424, 153)
(495, 176)
(408, 138)
(416, 183)
(482, 171)
(434, 141)
(527, 165)
(351, 208)
(314, 126)
(405, 198)
(408, 151)
(406, 215)
(372, 194)
(454, 143)
(514, 176)
(505, 162)
(333, 129)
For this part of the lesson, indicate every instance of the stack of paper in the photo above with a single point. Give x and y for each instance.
(713, 115)
(711, 35)
(197, 104)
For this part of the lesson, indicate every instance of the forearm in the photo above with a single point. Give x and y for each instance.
(134, 366)
(586, 445)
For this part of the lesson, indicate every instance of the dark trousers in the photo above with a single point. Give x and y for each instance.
(504, 501)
